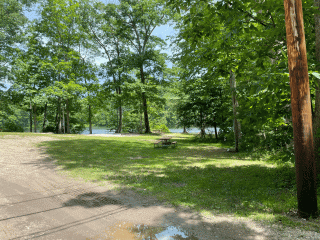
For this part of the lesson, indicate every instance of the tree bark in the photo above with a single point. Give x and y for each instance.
(301, 110)
(215, 130)
(31, 113)
(184, 129)
(63, 120)
(316, 114)
(90, 116)
(236, 123)
(44, 117)
(120, 112)
(140, 131)
(58, 127)
(60, 122)
(144, 104)
(202, 126)
(120, 119)
(68, 116)
(57, 117)
(35, 117)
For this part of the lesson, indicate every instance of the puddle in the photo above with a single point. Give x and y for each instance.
(129, 231)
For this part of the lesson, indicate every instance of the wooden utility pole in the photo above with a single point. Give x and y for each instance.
(301, 110)
(316, 113)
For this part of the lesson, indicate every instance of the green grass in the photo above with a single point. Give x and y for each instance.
(201, 176)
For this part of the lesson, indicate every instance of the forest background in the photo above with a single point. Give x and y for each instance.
(229, 71)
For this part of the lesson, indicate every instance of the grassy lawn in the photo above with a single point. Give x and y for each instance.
(202, 176)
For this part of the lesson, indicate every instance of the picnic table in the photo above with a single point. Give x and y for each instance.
(165, 142)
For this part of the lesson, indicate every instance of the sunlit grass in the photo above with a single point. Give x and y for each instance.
(204, 177)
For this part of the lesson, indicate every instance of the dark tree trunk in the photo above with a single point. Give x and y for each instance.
(236, 123)
(184, 129)
(120, 120)
(145, 112)
(60, 122)
(31, 113)
(202, 127)
(120, 112)
(68, 116)
(35, 117)
(63, 120)
(301, 110)
(90, 116)
(140, 131)
(144, 105)
(44, 117)
(215, 129)
(316, 114)
(58, 117)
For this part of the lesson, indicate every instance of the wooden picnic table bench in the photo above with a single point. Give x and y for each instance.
(174, 144)
(156, 143)
(165, 142)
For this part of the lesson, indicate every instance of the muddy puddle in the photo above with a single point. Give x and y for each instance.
(129, 231)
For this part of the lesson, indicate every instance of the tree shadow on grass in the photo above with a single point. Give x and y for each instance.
(244, 190)
(74, 153)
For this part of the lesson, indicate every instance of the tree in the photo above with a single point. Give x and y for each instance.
(59, 24)
(98, 21)
(12, 19)
(29, 76)
(136, 21)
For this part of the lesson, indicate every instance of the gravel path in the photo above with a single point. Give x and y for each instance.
(38, 201)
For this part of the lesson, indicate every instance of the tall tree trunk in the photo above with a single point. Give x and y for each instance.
(57, 120)
(215, 129)
(184, 129)
(31, 113)
(59, 117)
(140, 130)
(236, 123)
(301, 110)
(35, 117)
(90, 116)
(120, 119)
(63, 121)
(144, 104)
(119, 112)
(68, 116)
(60, 122)
(202, 126)
(44, 117)
(316, 114)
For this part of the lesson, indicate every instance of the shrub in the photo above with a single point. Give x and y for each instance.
(161, 127)
(10, 126)
(49, 128)
(77, 128)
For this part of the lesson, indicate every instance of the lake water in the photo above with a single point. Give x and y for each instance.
(173, 130)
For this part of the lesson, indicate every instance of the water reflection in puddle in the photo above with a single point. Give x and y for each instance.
(129, 231)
